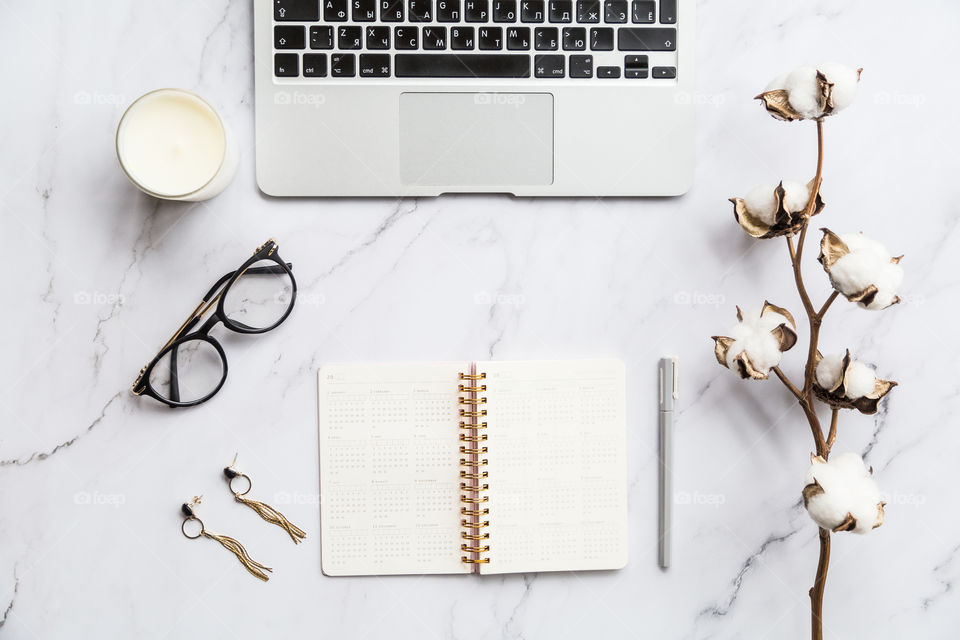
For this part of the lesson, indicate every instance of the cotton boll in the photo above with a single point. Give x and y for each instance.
(796, 196)
(829, 370)
(867, 263)
(761, 202)
(848, 488)
(845, 81)
(803, 92)
(859, 381)
(753, 335)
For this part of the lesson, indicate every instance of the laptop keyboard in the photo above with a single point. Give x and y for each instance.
(602, 39)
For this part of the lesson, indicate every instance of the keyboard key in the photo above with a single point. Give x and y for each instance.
(532, 10)
(477, 10)
(406, 38)
(450, 65)
(374, 65)
(421, 10)
(574, 38)
(588, 11)
(315, 65)
(491, 38)
(349, 37)
(642, 11)
(664, 72)
(343, 65)
(504, 10)
(546, 39)
(448, 10)
(289, 37)
(608, 72)
(391, 10)
(561, 10)
(518, 38)
(615, 11)
(321, 37)
(668, 12)
(462, 38)
(640, 39)
(334, 10)
(434, 38)
(581, 66)
(286, 65)
(364, 10)
(378, 37)
(548, 66)
(635, 66)
(601, 38)
(296, 10)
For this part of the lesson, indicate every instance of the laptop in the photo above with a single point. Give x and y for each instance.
(425, 97)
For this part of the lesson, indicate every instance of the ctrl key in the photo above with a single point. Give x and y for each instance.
(315, 65)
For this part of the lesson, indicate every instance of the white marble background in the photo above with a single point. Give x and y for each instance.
(97, 276)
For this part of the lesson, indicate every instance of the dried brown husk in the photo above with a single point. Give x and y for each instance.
(836, 396)
(785, 222)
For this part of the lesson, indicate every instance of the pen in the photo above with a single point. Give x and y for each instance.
(668, 396)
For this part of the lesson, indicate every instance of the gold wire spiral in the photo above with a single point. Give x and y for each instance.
(472, 489)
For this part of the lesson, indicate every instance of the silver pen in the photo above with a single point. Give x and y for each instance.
(668, 395)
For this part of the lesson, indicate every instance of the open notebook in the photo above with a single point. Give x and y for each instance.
(462, 467)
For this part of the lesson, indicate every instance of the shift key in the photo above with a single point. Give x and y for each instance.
(646, 39)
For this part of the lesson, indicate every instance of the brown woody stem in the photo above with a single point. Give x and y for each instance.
(786, 382)
(805, 395)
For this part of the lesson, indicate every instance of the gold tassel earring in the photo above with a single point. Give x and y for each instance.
(228, 543)
(265, 511)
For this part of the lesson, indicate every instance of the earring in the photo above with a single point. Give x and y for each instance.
(228, 543)
(265, 511)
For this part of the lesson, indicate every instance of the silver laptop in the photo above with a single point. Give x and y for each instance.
(424, 97)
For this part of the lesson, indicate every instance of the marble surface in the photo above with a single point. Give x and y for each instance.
(98, 275)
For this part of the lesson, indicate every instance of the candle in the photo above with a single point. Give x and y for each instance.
(173, 145)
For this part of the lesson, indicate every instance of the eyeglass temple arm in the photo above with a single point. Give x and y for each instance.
(272, 269)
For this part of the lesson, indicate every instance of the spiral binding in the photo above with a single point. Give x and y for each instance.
(472, 478)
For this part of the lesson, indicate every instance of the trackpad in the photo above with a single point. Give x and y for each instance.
(476, 139)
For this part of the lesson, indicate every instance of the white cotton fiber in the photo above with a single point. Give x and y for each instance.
(859, 381)
(868, 263)
(753, 336)
(847, 488)
(803, 92)
(845, 80)
(796, 196)
(761, 203)
(777, 83)
(829, 370)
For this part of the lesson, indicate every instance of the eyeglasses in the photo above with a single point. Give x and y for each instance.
(192, 367)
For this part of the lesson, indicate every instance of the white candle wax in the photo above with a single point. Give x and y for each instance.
(172, 144)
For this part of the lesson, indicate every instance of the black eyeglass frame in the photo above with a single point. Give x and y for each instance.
(267, 251)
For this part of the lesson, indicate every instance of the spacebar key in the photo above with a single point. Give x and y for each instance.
(443, 65)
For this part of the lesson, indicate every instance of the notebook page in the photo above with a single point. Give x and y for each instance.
(557, 465)
(389, 469)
